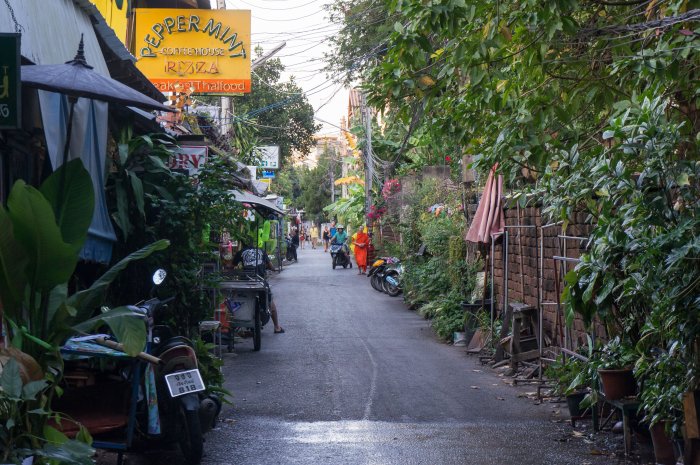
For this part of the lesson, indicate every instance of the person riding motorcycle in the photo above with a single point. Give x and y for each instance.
(340, 237)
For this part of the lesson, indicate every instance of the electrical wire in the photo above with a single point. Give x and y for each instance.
(278, 9)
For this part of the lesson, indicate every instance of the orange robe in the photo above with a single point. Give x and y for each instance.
(361, 243)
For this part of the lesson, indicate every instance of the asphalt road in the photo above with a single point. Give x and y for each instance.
(359, 379)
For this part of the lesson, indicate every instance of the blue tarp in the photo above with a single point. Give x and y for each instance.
(88, 142)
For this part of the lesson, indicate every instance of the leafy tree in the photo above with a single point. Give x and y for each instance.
(282, 114)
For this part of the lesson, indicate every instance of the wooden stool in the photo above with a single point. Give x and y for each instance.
(523, 317)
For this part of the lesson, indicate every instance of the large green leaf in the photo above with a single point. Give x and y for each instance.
(88, 300)
(13, 261)
(74, 214)
(51, 261)
(10, 380)
(128, 328)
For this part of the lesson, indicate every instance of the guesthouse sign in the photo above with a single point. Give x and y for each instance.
(10, 94)
(206, 50)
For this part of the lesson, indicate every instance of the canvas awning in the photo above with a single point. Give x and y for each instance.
(258, 203)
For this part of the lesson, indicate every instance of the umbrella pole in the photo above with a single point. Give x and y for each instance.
(66, 149)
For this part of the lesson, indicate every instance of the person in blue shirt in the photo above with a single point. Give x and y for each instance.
(340, 236)
(333, 229)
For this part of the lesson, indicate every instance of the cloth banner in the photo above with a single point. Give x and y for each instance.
(88, 142)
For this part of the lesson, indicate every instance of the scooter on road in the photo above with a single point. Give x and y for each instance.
(340, 255)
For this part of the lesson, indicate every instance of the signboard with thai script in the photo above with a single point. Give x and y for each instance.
(269, 157)
(188, 158)
(268, 174)
(206, 50)
(10, 95)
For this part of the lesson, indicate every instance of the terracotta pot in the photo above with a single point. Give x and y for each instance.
(618, 384)
(663, 447)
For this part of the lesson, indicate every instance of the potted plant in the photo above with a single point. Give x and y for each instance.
(662, 377)
(615, 366)
(568, 374)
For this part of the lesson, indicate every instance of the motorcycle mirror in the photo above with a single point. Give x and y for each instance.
(159, 276)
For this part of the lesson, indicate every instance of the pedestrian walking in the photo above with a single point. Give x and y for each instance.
(301, 237)
(361, 244)
(314, 236)
(307, 237)
(295, 244)
(326, 238)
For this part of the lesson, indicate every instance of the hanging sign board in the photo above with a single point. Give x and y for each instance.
(189, 159)
(207, 50)
(268, 174)
(10, 95)
(269, 157)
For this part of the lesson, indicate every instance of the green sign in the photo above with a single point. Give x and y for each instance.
(10, 95)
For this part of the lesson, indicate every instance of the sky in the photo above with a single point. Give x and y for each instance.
(306, 29)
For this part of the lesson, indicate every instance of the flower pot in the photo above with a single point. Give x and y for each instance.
(618, 384)
(573, 401)
(663, 447)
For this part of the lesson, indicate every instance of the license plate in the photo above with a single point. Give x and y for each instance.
(184, 382)
(392, 281)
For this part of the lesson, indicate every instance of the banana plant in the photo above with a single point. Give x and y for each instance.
(40, 238)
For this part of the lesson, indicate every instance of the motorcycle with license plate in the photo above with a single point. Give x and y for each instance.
(157, 399)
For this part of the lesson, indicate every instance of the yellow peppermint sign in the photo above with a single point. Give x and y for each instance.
(208, 50)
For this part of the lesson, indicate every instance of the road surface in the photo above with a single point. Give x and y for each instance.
(359, 379)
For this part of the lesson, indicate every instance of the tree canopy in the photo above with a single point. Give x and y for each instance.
(282, 114)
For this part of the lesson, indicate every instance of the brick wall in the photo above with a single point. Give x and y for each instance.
(523, 261)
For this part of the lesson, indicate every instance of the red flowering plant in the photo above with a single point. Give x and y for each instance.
(376, 212)
(391, 187)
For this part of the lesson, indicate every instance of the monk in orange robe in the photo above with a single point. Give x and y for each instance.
(361, 244)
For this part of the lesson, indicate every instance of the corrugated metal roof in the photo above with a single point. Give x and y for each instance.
(51, 31)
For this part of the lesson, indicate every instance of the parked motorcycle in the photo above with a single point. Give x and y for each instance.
(378, 271)
(340, 256)
(391, 282)
(167, 403)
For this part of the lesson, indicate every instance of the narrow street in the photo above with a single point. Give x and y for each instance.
(359, 379)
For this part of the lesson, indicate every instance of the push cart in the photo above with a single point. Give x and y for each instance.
(246, 305)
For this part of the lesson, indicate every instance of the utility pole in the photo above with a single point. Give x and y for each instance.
(226, 102)
(331, 173)
(369, 162)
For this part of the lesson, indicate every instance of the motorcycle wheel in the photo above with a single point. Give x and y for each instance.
(390, 288)
(191, 442)
(257, 330)
(335, 262)
(376, 283)
(349, 263)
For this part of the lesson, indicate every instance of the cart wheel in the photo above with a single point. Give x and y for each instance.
(257, 331)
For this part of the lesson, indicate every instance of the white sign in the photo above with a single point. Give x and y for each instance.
(184, 382)
(188, 158)
(269, 157)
